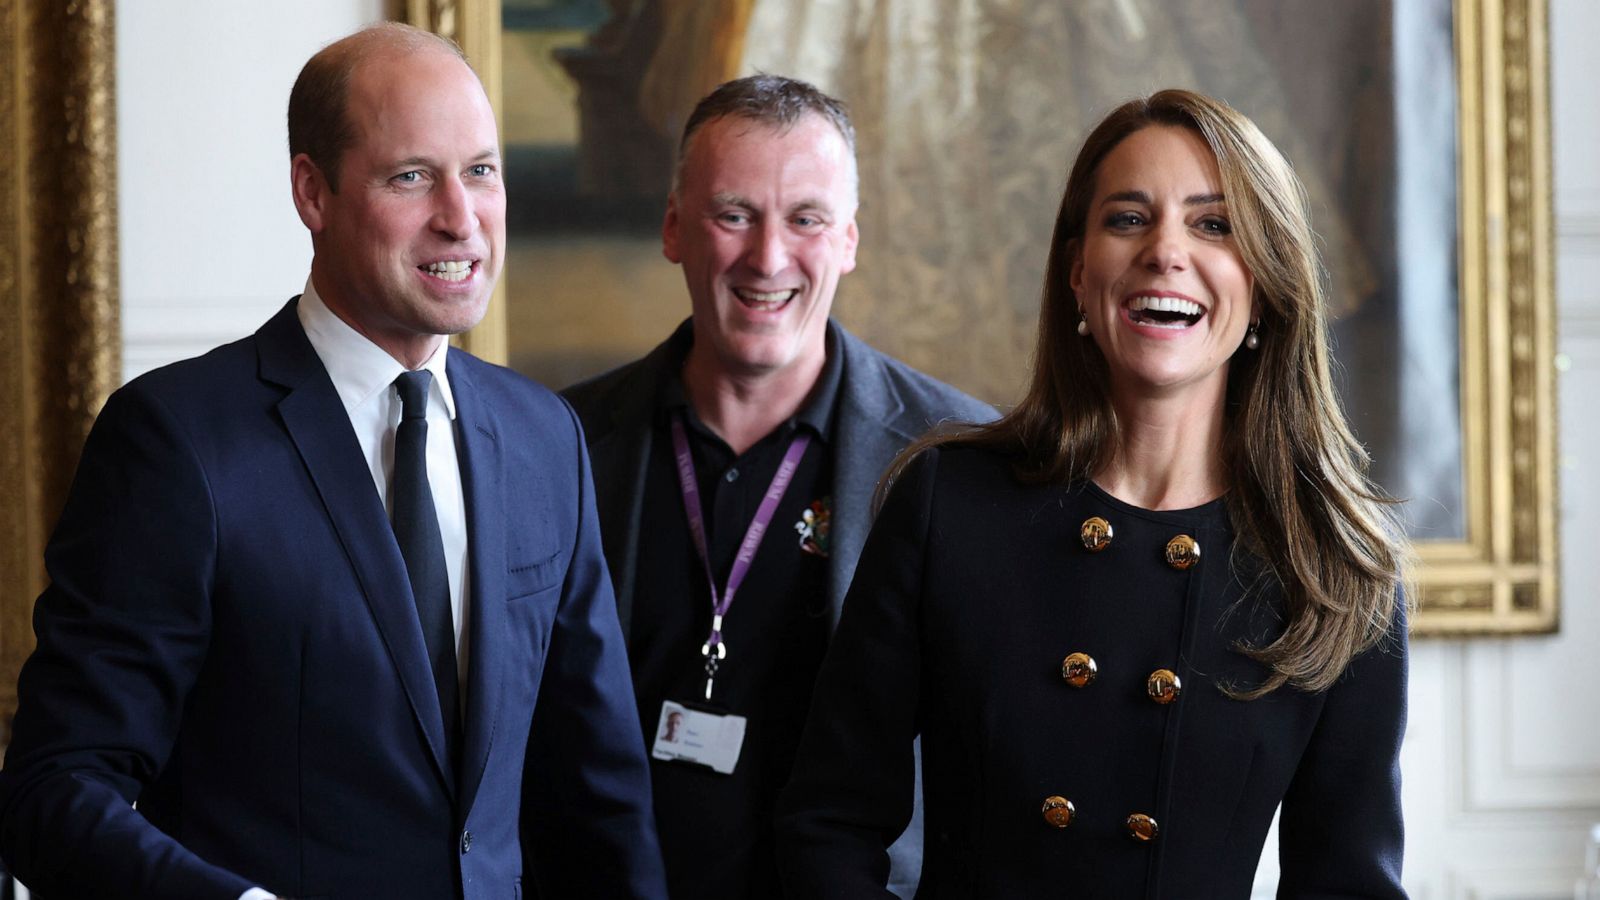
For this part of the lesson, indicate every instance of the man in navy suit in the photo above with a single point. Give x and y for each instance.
(328, 603)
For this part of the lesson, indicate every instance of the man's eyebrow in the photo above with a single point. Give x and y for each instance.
(811, 203)
(1142, 197)
(428, 162)
(728, 198)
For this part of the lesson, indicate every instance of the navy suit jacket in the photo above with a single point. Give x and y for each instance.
(229, 639)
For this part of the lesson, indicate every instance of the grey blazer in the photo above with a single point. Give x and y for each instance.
(883, 406)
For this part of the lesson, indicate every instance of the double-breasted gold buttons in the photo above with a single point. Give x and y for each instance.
(1163, 686)
(1141, 827)
(1183, 552)
(1095, 533)
(1079, 669)
(1058, 811)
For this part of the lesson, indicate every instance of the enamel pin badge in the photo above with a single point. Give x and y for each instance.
(813, 527)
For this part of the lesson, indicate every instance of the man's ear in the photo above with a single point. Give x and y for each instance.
(311, 192)
(852, 239)
(669, 230)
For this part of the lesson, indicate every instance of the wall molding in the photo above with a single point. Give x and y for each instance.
(1581, 322)
(1578, 234)
(157, 331)
(1531, 883)
(1494, 780)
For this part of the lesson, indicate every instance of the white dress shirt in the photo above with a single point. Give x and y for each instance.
(363, 375)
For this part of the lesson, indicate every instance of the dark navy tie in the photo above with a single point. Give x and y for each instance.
(416, 527)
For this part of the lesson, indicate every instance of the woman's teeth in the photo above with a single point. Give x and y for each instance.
(1164, 312)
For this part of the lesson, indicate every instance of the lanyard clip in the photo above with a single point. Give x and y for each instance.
(714, 642)
(711, 668)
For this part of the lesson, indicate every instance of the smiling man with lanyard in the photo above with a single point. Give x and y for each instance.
(734, 470)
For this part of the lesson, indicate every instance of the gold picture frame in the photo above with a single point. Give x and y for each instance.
(60, 343)
(1501, 578)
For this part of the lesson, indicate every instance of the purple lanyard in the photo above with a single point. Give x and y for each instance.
(714, 649)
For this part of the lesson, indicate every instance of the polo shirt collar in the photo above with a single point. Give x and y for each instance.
(816, 413)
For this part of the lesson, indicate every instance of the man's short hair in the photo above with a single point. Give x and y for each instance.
(770, 100)
(319, 125)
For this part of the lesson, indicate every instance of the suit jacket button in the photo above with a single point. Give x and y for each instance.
(1095, 534)
(466, 842)
(1183, 552)
(1058, 811)
(1163, 686)
(1079, 669)
(1141, 827)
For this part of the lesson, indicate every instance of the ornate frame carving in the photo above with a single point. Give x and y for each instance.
(60, 344)
(1501, 579)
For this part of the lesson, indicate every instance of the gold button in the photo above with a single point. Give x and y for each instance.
(1058, 811)
(1095, 534)
(1142, 828)
(1079, 669)
(1163, 686)
(1183, 552)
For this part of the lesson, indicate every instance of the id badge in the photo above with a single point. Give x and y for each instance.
(697, 736)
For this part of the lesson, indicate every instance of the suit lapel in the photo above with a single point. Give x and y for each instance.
(621, 455)
(483, 480)
(623, 458)
(320, 429)
(869, 410)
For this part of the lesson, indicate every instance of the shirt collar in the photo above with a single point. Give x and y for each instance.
(816, 413)
(818, 409)
(358, 367)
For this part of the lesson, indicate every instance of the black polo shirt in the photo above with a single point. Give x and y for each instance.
(716, 830)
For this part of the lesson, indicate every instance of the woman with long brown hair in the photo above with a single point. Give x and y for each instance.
(1154, 602)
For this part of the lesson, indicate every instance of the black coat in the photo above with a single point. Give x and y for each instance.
(970, 593)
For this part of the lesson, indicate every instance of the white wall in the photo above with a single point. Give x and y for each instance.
(1502, 761)
(211, 245)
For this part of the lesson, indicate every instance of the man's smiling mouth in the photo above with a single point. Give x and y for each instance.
(450, 269)
(765, 301)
